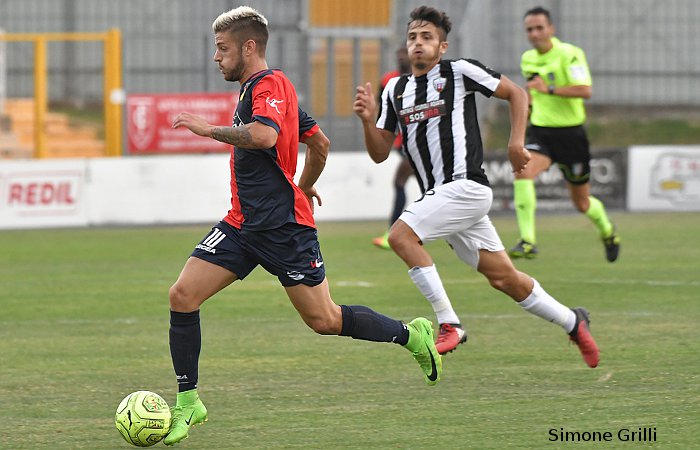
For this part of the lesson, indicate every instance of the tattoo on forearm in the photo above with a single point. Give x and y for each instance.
(239, 136)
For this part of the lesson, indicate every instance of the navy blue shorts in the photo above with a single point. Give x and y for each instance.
(290, 252)
(568, 147)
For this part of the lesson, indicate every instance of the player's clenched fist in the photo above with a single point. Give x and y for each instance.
(365, 105)
(519, 156)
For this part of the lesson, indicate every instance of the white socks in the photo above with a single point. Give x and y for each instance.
(545, 306)
(539, 302)
(429, 284)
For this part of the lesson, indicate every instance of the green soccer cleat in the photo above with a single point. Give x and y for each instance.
(189, 411)
(421, 344)
(523, 249)
(382, 241)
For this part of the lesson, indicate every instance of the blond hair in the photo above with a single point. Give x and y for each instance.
(230, 19)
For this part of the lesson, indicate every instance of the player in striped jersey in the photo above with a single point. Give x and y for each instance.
(434, 109)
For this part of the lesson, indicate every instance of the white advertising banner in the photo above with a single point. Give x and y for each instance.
(174, 189)
(353, 187)
(159, 189)
(664, 178)
(36, 194)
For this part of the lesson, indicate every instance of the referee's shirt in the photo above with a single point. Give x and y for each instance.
(563, 65)
(436, 114)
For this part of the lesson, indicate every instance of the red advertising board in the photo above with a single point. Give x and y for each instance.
(150, 118)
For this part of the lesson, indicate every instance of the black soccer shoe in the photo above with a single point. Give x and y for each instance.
(612, 246)
(523, 249)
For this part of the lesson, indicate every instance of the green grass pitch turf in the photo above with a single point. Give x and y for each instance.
(84, 322)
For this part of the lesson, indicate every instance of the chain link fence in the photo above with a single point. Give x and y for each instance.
(642, 53)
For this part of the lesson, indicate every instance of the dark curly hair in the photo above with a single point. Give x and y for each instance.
(432, 15)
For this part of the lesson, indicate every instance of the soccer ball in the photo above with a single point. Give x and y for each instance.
(143, 418)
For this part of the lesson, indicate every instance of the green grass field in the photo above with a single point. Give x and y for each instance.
(84, 321)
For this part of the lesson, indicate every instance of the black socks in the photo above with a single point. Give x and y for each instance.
(360, 322)
(399, 203)
(185, 344)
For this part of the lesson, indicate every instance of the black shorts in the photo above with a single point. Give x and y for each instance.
(291, 252)
(567, 146)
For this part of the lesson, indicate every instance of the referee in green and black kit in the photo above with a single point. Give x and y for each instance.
(558, 80)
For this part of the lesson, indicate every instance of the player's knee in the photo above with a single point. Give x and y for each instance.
(181, 300)
(393, 241)
(397, 242)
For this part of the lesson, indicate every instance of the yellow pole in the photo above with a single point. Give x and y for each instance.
(106, 89)
(40, 97)
(113, 97)
(113, 93)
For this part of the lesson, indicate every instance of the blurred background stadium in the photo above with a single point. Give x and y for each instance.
(80, 78)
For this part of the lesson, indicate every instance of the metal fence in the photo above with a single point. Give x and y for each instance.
(167, 44)
(641, 52)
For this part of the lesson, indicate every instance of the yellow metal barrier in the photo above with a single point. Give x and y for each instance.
(357, 13)
(113, 91)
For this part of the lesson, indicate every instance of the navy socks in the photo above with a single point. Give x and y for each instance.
(360, 322)
(185, 345)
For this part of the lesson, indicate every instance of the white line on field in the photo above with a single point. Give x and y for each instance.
(605, 377)
(664, 283)
(365, 284)
(597, 281)
(596, 313)
(517, 315)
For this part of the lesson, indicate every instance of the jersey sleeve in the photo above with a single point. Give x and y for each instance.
(388, 119)
(477, 77)
(307, 126)
(577, 70)
(269, 102)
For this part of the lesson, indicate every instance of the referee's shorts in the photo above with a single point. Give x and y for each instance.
(568, 147)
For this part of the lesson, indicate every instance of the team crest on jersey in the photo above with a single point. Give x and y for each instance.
(439, 84)
(245, 88)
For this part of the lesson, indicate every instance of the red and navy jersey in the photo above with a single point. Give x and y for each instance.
(263, 193)
(385, 80)
(307, 126)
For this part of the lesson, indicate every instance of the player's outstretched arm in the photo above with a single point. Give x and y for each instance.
(253, 135)
(518, 102)
(377, 141)
(317, 147)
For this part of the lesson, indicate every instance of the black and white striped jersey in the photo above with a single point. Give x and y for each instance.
(436, 113)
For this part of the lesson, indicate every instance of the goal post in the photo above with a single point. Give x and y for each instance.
(113, 92)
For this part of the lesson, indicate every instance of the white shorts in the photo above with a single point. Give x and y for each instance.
(457, 212)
